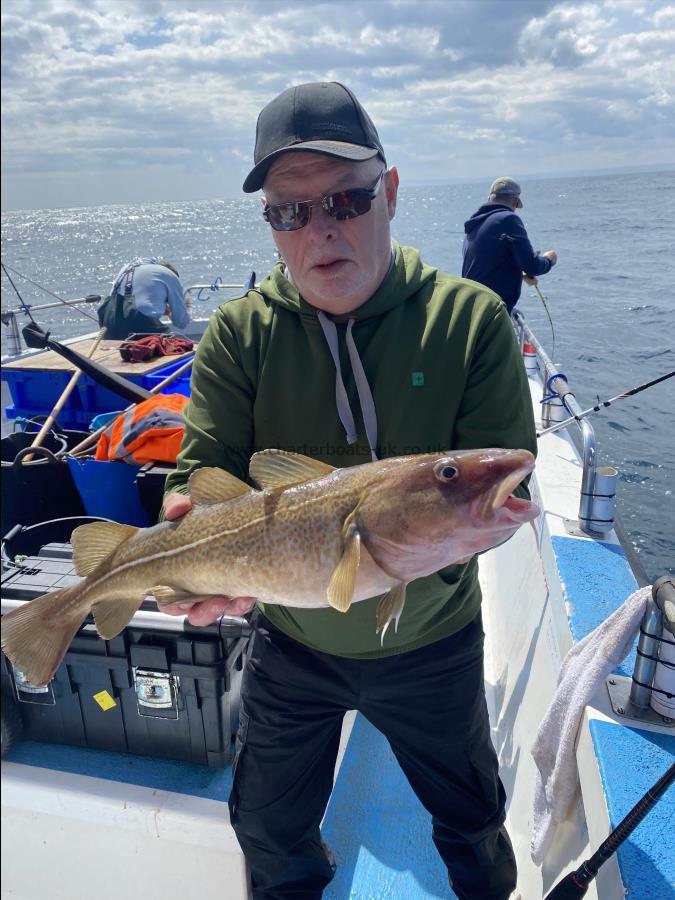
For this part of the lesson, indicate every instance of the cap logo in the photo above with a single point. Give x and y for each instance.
(328, 126)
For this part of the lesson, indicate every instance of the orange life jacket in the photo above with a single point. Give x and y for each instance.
(151, 431)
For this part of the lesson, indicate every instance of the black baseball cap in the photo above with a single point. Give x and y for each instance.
(321, 117)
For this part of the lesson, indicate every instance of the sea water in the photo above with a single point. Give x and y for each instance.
(611, 296)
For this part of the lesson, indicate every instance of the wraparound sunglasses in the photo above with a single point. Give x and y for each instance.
(340, 205)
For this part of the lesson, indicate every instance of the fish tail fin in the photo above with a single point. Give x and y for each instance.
(36, 636)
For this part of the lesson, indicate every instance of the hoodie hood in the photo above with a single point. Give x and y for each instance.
(405, 278)
(485, 211)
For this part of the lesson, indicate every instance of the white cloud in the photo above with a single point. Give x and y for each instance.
(100, 93)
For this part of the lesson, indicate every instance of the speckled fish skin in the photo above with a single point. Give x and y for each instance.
(402, 517)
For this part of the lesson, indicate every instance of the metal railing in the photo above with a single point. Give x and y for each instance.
(556, 386)
(9, 317)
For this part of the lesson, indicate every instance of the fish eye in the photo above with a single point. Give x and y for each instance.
(444, 472)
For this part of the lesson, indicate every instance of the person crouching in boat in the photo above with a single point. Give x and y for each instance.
(143, 291)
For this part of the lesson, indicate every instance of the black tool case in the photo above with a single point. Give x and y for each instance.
(160, 688)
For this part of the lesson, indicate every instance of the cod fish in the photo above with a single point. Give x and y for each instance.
(310, 536)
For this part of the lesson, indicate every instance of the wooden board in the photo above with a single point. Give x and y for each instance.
(107, 354)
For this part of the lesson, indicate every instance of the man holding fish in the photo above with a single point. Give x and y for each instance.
(333, 470)
(351, 349)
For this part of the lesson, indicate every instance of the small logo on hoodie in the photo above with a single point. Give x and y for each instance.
(417, 379)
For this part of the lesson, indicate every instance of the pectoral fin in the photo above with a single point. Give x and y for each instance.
(389, 608)
(342, 581)
(164, 594)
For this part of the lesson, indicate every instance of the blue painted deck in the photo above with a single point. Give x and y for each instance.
(378, 830)
(596, 580)
(631, 761)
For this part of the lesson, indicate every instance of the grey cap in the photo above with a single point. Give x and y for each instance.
(506, 187)
(322, 117)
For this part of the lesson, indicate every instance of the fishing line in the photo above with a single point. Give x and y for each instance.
(543, 300)
(47, 291)
(24, 306)
(604, 403)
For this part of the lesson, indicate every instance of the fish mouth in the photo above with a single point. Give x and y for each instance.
(501, 505)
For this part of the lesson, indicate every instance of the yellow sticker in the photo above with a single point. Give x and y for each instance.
(104, 700)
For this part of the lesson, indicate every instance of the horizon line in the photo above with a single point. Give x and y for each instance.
(611, 171)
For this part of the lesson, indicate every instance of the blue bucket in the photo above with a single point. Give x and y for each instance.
(108, 490)
(103, 419)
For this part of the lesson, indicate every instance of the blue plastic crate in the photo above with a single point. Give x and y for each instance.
(180, 386)
(72, 419)
(97, 399)
(35, 392)
(39, 390)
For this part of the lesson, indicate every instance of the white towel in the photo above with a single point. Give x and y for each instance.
(584, 668)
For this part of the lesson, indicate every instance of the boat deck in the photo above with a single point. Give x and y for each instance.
(160, 829)
(107, 354)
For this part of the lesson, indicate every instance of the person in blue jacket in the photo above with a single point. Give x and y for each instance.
(497, 251)
(143, 291)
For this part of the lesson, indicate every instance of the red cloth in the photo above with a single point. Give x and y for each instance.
(152, 345)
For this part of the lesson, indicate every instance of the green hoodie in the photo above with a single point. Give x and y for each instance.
(442, 361)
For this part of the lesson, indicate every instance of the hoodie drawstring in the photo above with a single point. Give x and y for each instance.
(363, 388)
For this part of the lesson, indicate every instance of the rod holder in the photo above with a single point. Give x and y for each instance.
(598, 515)
(663, 689)
(653, 682)
(647, 656)
(553, 406)
(530, 358)
(553, 410)
(13, 336)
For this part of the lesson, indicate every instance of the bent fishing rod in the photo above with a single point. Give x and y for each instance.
(599, 406)
(575, 884)
(543, 300)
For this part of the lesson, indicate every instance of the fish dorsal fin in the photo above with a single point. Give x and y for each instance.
(212, 485)
(95, 542)
(343, 580)
(281, 468)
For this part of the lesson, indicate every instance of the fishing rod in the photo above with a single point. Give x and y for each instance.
(26, 307)
(575, 884)
(599, 406)
(543, 300)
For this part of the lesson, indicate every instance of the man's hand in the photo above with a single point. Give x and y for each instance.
(206, 611)
(530, 279)
(552, 255)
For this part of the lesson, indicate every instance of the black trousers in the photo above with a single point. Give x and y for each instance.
(429, 703)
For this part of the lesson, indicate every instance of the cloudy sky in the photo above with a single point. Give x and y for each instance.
(150, 100)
